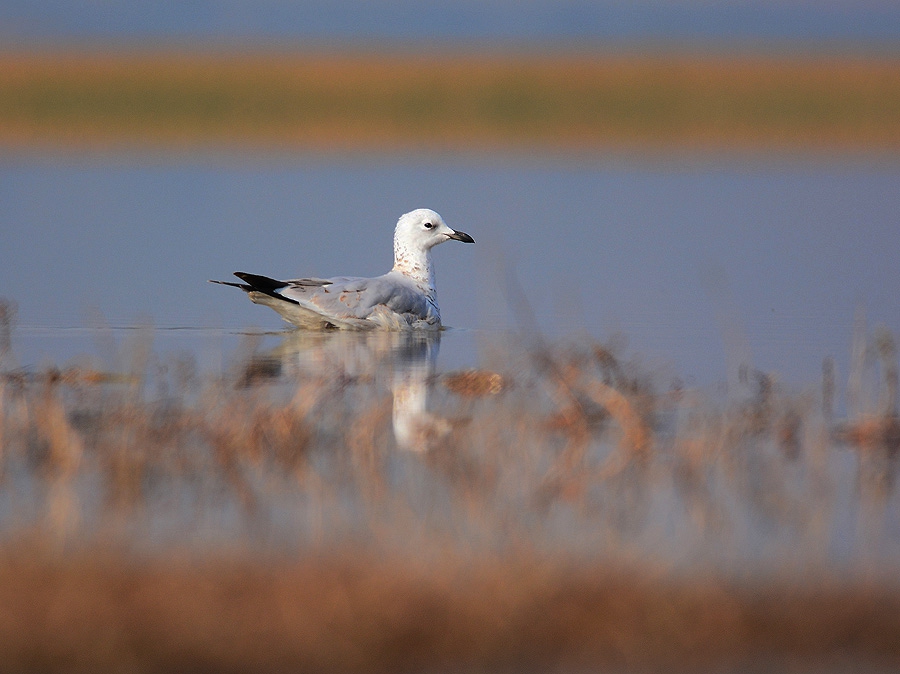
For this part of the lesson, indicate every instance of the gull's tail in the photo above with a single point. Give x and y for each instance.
(255, 282)
(264, 290)
(242, 286)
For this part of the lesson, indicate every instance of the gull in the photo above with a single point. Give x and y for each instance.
(403, 299)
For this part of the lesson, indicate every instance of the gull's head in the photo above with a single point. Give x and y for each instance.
(423, 229)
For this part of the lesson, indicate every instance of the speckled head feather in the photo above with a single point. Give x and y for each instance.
(417, 232)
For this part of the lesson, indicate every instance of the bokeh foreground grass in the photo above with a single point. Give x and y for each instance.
(353, 613)
(558, 507)
(374, 101)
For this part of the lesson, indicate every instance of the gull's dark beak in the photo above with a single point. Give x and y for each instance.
(462, 236)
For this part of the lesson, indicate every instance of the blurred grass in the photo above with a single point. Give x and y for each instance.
(368, 613)
(483, 100)
(154, 517)
(477, 569)
(563, 512)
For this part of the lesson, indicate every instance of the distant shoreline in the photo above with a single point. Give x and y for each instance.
(374, 101)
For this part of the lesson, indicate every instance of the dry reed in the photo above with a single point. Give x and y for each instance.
(563, 511)
(361, 613)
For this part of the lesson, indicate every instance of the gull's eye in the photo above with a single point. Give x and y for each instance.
(428, 225)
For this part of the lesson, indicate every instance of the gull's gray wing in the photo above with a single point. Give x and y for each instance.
(392, 301)
(349, 298)
(311, 281)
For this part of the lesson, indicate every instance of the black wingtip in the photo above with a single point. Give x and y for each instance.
(229, 283)
(261, 283)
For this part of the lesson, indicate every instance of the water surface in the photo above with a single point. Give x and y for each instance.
(868, 23)
(701, 264)
(699, 275)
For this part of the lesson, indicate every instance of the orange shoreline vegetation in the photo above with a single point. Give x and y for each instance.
(371, 613)
(470, 101)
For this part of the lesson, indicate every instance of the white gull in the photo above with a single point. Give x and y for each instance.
(405, 298)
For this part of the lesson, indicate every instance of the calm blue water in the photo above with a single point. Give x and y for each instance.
(696, 266)
(700, 265)
(866, 24)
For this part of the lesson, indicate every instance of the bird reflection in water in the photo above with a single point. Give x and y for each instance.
(402, 362)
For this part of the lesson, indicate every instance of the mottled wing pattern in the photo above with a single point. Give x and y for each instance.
(310, 281)
(350, 297)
